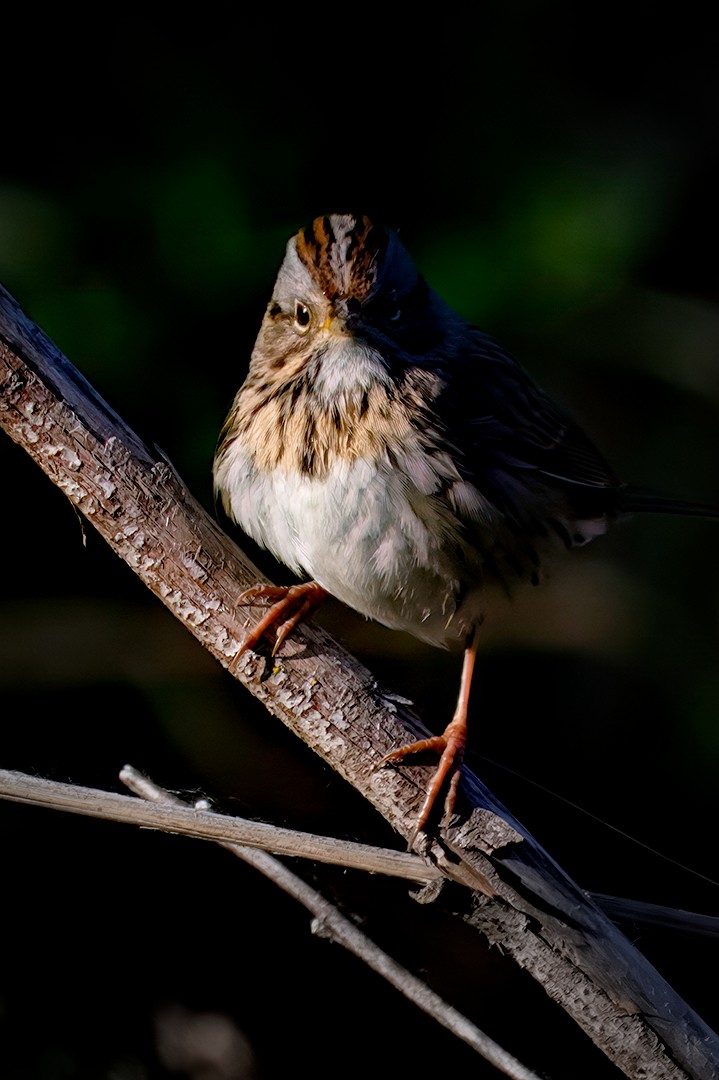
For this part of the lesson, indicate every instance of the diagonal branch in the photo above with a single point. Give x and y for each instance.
(514, 893)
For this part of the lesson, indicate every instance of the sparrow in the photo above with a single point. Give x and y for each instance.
(393, 456)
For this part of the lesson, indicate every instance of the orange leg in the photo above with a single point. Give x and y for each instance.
(450, 745)
(290, 605)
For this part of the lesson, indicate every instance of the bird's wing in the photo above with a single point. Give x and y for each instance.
(509, 422)
(510, 427)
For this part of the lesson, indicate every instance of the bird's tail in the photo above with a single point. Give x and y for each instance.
(637, 500)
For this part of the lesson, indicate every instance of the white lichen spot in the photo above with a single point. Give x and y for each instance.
(71, 488)
(70, 458)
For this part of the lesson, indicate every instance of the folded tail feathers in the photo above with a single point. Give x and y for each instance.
(637, 500)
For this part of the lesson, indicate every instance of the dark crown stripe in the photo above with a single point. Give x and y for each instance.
(342, 252)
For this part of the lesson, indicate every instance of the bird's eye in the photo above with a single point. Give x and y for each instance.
(303, 316)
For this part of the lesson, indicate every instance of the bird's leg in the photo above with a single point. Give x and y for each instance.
(450, 745)
(290, 605)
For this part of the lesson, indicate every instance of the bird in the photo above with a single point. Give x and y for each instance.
(393, 456)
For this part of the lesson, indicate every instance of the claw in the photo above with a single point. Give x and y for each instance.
(291, 604)
(450, 745)
(261, 593)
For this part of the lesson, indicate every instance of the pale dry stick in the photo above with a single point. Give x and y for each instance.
(171, 814)
(204, 824)
(177, 817)
(328, 922)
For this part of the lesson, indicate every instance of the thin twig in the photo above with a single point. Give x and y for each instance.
(203, 824)
(329, 923)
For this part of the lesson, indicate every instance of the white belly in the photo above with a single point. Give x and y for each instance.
(368, 537)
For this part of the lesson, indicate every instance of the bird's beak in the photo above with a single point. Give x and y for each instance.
(344, 318)
(336, 325)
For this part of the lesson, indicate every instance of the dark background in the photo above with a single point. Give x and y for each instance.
(555, 178)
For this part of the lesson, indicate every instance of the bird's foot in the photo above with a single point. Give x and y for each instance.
(291, 604)
(450, 745)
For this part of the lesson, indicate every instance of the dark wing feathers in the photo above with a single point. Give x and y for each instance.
(516, 424)
(508, 424)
